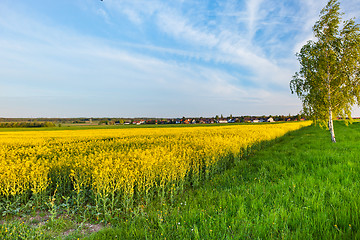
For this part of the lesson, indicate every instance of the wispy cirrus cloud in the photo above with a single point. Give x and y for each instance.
(43, 65)
(102, 13)
(199, 57)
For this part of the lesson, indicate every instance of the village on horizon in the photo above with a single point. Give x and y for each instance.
(82, 121)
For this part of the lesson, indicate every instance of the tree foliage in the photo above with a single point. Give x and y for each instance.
(328, 82)
(26, 124)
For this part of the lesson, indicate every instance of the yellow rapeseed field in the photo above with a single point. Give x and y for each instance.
(109, 163)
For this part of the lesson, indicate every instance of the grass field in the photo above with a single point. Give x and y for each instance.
(300, 186)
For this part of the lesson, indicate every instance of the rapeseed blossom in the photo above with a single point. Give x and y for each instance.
(123, 162)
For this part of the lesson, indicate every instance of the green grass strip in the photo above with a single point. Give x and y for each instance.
(301, 186)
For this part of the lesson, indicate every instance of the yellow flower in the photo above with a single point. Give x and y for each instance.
(113, 162)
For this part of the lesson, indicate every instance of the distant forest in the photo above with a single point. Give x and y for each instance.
(26, 124)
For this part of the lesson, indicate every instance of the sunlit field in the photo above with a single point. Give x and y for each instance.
(300, 186)
(104, 174)
(112, 168)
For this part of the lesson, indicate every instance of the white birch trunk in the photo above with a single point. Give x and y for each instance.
(331, 126)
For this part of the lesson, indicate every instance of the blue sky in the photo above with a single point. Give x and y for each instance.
(133, 58)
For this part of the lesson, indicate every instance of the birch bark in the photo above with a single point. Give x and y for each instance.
(331, 123)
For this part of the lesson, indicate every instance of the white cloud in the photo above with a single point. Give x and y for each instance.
(179, 27)
(253, 10)
(81, 62)
(102, 13)
(51, 55)
(133, 16)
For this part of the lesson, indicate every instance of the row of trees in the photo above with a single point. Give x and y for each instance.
(26, 124)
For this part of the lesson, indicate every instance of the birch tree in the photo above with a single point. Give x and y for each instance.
(328, 82)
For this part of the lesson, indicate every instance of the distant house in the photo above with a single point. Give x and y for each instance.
(206, 121)
(247, 119)
(270, 119)
(202, 121)
(139, 122)
(255, 120)
(231, 120)
(222, 121)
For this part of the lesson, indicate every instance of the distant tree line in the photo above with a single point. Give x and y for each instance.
(26, 124)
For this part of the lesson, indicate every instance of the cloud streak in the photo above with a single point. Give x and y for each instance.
(157, 58)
